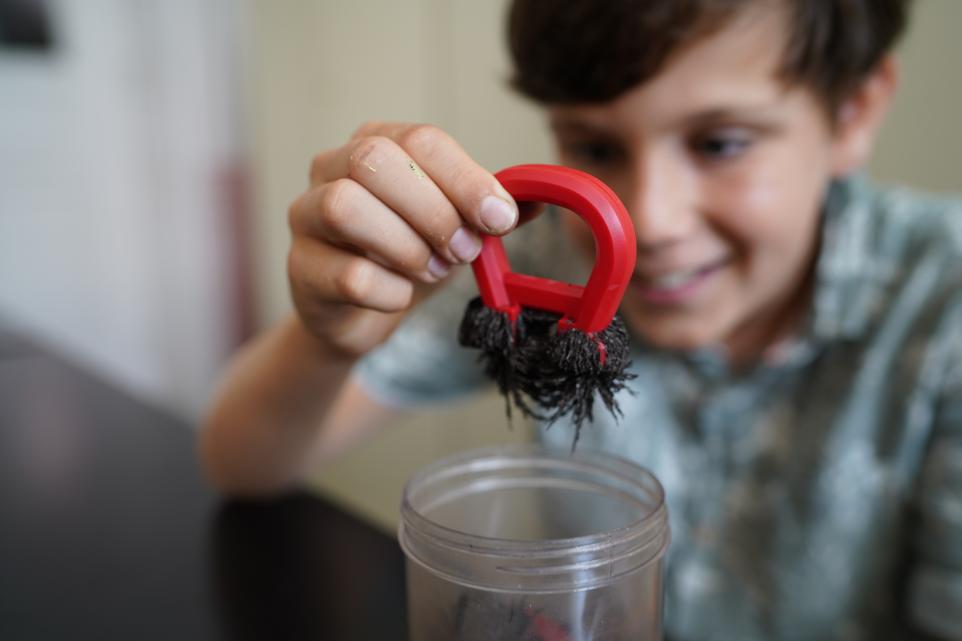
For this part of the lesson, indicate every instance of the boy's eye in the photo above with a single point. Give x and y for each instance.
(592, 152)
(722, 145)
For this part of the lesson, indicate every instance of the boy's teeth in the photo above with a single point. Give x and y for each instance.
(673, 280)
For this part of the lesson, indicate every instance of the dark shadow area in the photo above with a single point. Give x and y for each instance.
(298, 568)
(25, 25)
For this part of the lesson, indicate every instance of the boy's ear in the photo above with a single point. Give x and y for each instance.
(858, 118)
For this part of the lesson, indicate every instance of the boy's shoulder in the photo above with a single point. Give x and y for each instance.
(889, 256)
(927, 228)
(916, 226)
(886, 233)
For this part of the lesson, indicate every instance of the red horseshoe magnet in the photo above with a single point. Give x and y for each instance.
(589, 308)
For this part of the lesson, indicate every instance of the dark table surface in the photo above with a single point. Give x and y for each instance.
(107, 530)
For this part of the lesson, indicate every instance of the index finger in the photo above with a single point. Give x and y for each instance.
(333, 164)
(474, 191)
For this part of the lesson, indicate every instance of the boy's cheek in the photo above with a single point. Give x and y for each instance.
(579, 232)
(772, 192)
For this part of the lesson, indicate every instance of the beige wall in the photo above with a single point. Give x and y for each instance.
(921, 144)
(320, 68)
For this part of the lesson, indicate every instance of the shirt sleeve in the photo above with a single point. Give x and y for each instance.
(935, 583)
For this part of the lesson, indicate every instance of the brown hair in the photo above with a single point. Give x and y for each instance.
(593, 50)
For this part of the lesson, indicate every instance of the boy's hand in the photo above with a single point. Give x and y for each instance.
(385, 217)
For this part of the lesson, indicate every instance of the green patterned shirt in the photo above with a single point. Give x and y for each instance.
(817, 496)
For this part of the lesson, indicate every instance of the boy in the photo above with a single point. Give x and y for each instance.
(797, 332)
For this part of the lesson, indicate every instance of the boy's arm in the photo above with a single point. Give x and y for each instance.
(380, 226)
(286, 404)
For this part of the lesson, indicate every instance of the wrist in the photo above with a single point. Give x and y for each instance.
(317, 347)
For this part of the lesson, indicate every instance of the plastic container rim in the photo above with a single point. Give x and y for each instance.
(637, 534)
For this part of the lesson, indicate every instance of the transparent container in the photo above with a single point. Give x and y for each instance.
(523, 544)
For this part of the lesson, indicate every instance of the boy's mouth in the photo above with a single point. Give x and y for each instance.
(677, 286)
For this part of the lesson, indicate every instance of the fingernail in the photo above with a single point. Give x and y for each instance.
(497, 214)
(465, 245)
(438, 267)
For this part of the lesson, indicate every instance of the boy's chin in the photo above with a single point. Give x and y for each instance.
(673, 335)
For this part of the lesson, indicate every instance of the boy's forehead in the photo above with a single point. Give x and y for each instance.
(745, 54)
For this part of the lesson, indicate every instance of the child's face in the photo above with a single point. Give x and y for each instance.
(723, 168)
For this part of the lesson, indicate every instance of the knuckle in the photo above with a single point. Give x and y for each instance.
(422, 139)
(367, 154)
(294, 213)
(334, 211)
(326, 165)
(295, 265)
(318, 166)
(355, 283)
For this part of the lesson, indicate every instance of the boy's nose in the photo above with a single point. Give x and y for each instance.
(659, 203)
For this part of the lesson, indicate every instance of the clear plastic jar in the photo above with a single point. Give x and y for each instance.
(526, 544)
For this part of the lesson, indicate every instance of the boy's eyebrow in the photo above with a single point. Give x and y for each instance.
(566, 125)
(758, 115)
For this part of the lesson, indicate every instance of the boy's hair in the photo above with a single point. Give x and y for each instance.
(583, 51)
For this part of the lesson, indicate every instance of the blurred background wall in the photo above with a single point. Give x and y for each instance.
(128, 149)
(921, 144)
(121, 146)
